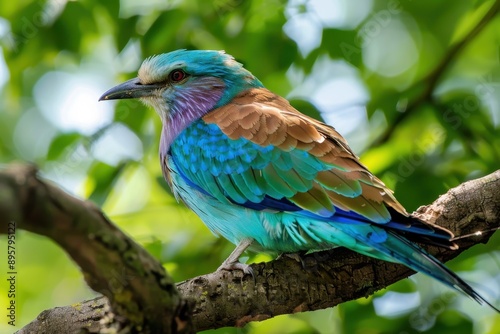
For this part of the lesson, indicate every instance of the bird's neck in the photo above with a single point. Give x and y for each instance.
(189, 106)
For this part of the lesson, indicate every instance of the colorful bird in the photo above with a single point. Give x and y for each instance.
(265, 176)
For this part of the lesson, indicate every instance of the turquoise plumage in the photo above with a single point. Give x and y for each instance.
(267, 177)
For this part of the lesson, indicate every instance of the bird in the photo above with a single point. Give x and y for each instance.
(269, 178)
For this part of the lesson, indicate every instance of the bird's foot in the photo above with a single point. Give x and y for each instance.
(231, 266)
(232, 263)
(307, 262)
(294, 256)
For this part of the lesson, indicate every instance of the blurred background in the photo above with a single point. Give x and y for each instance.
(414, 86)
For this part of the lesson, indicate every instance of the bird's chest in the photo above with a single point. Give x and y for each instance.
(204, 150)
(193, 151)
(196, 144)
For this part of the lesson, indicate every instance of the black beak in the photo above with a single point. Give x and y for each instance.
(130, 89)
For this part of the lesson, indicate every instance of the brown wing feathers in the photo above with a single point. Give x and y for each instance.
(267, 119)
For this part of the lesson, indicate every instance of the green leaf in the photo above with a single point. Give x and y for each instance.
(61, 143)
(104, 178)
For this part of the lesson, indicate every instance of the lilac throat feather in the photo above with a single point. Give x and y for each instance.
(186, 106)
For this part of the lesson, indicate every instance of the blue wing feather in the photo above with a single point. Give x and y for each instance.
(263, 178)
(278, 224)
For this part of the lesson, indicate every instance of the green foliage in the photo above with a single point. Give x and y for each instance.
(431, 122)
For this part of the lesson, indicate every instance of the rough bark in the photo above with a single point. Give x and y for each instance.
(223, 298)
(142, 296)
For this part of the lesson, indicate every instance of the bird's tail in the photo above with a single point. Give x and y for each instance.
(397, 248)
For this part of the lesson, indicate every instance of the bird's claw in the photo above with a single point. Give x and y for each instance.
(294, 256)
(231, 266)
(307, 262)
(232, 263)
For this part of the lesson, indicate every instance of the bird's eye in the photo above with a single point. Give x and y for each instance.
(177, 75)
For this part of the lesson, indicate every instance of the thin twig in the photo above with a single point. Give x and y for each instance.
(434, 76)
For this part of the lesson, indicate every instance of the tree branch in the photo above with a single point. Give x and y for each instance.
(139, 289)
(220, 299)
(433, 77)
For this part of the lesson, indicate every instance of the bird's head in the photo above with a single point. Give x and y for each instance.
(186, 83)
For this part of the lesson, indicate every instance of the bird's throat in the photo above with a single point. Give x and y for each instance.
(189, 105)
